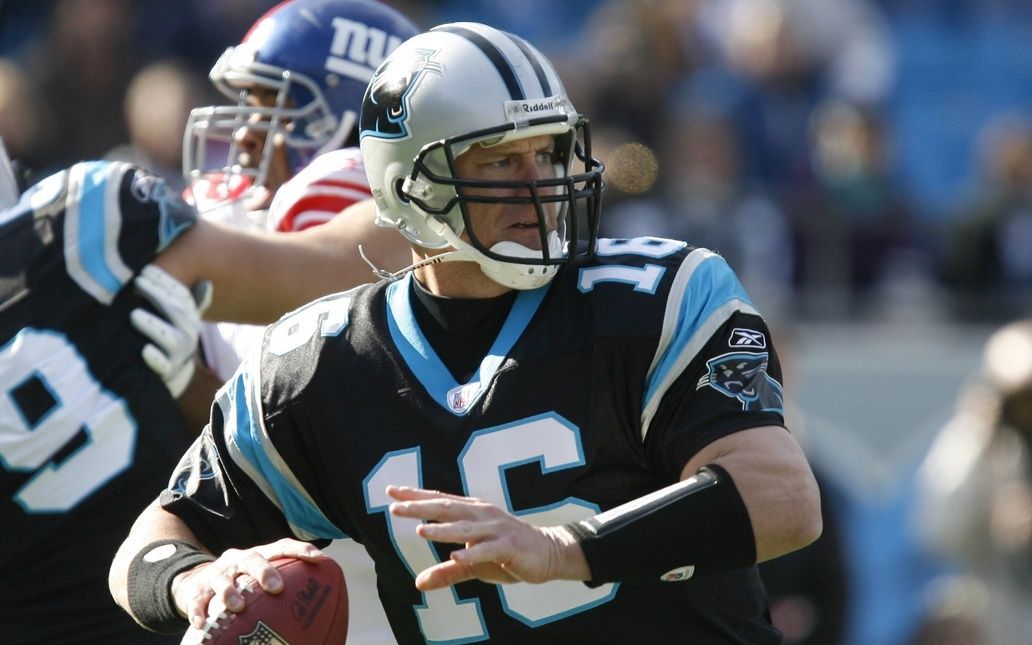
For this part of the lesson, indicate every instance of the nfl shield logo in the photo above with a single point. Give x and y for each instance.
(462, 397)
(262, 635)
(457, 399)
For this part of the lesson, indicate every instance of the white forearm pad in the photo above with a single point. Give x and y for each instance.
(697, 526)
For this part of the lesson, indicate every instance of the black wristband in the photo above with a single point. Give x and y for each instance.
(150, 583)
(697, 526)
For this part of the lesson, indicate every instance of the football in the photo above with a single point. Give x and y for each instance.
(311, 609)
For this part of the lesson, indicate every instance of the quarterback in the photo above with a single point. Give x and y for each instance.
(538, 435)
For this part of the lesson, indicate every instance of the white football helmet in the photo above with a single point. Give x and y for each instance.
(462, 84)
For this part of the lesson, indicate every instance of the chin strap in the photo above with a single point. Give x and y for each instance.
(463, 252)
(383, 274)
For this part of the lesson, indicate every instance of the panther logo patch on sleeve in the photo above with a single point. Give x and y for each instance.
(743, 376)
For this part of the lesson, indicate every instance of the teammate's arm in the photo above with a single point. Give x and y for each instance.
(259, 276)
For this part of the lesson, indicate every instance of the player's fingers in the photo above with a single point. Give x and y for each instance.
(444, 510)
(453, 572)
(458, 532)
(288, 547)
(197, 607)
(168, 295)
(261, 570)
(157, 361)
(443, 575)
(177, 382)
(410, 493)
(154, 328)
(145, 286)
(152, 292)
(224, 585)
(486, 558)
(157, 285)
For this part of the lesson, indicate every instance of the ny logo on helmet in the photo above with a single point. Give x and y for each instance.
(358, 49)
(385, 110)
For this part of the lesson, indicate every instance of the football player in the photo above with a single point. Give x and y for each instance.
(285, 154)
(524, 410)
(86, 429)
(290, 161)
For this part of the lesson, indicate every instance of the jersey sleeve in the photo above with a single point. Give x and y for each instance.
(331, 183)
(113, 219)
(715, 370)
(236, 487)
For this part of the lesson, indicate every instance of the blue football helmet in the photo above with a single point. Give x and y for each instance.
(315, 58)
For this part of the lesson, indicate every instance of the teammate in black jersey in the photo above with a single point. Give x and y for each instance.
(539, 436)
(87, 431)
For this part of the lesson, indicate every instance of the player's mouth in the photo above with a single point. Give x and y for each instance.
(527, 233)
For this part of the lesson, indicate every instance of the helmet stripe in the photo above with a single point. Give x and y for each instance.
(504, 67)
(546, 88)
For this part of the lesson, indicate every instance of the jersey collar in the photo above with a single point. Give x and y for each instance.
(427, 366)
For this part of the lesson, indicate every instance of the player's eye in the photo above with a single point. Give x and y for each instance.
(500, 163)
(261, 97)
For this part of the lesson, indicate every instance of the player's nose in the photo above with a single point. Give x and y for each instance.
(250, 138)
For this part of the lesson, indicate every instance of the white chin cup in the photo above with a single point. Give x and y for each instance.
(521, 276)
(517, 250)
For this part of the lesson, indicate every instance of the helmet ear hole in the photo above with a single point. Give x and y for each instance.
(399, 190)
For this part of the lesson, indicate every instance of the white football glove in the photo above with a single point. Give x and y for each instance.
(173, 334)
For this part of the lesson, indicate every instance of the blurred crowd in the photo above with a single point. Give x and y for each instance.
(853, 159)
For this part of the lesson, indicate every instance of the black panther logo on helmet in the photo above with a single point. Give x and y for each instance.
(384, 108)
(743, 376)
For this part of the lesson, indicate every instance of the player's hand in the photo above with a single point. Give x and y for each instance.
(174, 333)
(208, 588)
(499, 547)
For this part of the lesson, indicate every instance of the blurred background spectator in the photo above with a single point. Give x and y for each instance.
(865, 165)
(24, 117)
(157, 104)
(955, 607)
(975, 496)
(81, 67)
(986, 259)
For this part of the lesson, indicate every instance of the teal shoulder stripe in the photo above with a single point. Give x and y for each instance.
(92, 225)
(252, 450)
(704, 295)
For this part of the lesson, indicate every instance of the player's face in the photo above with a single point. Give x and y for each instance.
(251, 141)
(523, 159)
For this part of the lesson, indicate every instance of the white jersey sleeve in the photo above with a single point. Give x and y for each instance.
(226, 344)
(323, 188)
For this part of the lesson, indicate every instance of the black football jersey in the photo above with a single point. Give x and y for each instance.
(597, 390)
(87, 431)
